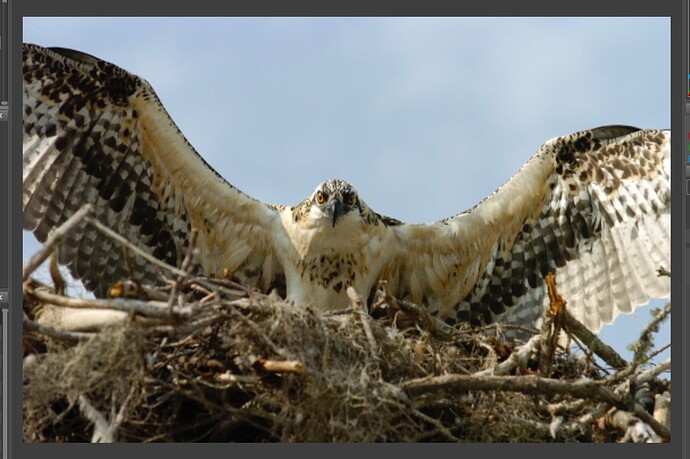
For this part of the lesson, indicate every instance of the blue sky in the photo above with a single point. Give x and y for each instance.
(425, 116)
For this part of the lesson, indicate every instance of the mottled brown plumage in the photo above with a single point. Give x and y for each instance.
(591, 207)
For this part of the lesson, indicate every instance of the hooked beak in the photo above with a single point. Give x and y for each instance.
(335, 210)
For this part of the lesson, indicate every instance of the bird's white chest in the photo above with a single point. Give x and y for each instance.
(323, 278)
(326, 261)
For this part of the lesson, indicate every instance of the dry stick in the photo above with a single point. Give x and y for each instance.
(115, 423)
(100, 423)
(645, 335)
(424, 417)
(189, 327)
(282, 366)
(435, 324)
(592, 341)
(581, 388)
(517, 358)
(54, 239)
(72, 337)
(529, 384)
(186, 264)
(653, 372)
(144, 308)
(143, 254)
(358, 305)
(659, 351)
(206, 283)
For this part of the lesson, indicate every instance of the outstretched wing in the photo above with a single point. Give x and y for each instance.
(94, 133)
(591, 207)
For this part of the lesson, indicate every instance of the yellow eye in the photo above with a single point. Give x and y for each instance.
(320, 197)
(351, 200)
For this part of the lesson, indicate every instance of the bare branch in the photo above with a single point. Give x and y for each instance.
(56, 236)
(517, 358)
(133, 248)
(360, 308)
(148, 309)
(592, 341)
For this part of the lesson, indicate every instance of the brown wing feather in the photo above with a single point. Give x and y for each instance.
(591, 207)
(94, 133)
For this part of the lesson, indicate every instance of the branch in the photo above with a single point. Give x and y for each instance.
(144, 308)
(592, 341)
(359, 307)
(143, 254)
(55, 237)
(534, 385)
(71, 337)
(517, 358)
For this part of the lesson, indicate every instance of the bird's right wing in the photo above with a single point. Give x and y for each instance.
(94, 133)
(591, 207)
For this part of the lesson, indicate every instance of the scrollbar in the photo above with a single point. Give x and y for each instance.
(4, 407)
(4, 53)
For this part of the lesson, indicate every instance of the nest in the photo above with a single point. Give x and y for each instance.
(226, 365)
(204, 359)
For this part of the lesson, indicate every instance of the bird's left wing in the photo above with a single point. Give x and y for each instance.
(591, 207)
(94, 133)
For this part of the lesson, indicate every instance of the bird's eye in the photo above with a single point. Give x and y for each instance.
(320, 197)
(351, 200)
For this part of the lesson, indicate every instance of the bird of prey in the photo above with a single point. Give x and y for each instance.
(591, 207)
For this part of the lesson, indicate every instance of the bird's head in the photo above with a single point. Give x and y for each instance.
(334, 200)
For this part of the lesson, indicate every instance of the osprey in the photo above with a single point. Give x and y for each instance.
(591, 207)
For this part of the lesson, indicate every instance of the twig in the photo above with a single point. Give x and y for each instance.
(659, 351)
(191, 327)
(517, 358)
(100, 423)
(642, 345)
(436, 423)
(55, 237)
(235, 380)
(581, 388)
(653, 372)
(143, 254)
(186, 265)
(72, 337)
(144, 308)
(433, 323)
(644, 341)
(500, 326)
(281, 366)
(360, 309)
(111, 432)
(592, 341)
